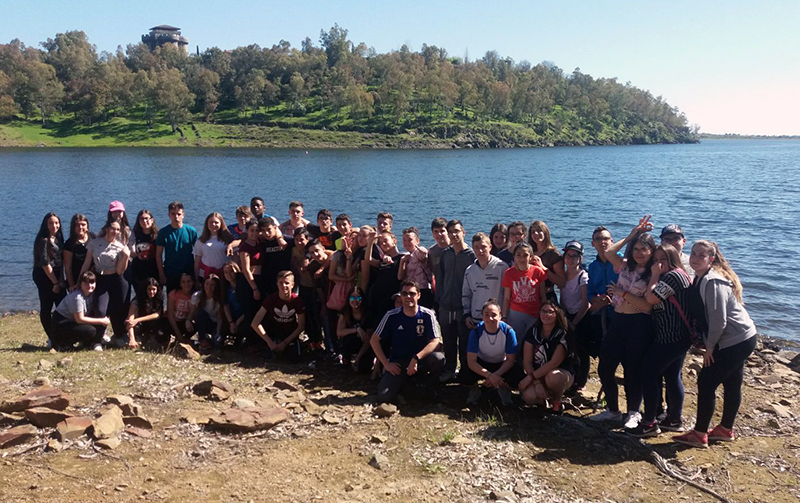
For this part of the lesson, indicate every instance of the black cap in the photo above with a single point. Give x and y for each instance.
(671, 229)
(574, 245)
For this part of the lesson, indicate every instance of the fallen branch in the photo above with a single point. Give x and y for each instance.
(648, 453)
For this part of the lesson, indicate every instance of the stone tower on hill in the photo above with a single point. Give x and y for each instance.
(165, 35)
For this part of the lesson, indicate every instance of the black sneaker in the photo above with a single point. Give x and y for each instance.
(644, 430)
(668, 424)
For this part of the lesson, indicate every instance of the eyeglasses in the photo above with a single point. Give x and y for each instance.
(548, 313)
(115, 229)
(672, 239)
(354, 298)
(408, 294)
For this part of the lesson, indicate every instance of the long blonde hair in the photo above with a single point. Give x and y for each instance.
(722, 266)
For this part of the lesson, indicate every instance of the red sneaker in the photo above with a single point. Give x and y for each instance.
(692, 438)
(721, 434)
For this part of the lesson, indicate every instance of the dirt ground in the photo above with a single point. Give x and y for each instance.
(434, 449)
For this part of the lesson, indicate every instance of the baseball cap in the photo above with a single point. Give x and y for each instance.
(574, 245)
(671, 229)
(116, 206)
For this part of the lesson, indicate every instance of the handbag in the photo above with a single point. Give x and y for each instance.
(337, 296)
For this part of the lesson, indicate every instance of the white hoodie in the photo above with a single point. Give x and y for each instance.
(481, 285)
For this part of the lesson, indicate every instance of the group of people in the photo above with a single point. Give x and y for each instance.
(504, 311)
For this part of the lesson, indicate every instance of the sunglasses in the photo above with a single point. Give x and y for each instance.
(408, 294)
(354, 298)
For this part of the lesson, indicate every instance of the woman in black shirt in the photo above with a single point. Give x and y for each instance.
(48, 268)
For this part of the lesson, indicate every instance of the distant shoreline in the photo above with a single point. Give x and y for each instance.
(729, 136)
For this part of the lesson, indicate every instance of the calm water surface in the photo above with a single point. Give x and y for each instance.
(743, 194)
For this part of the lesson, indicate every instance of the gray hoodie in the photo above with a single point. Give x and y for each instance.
(481, 285)
(453, 266)
(728, 322)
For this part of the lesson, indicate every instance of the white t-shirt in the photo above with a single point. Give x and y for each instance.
(571, 293)
(105, 254)
(212, 253)
(210, 307)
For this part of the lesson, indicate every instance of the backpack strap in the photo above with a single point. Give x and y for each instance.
(677, 305)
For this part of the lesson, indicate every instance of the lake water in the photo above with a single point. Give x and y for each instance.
(743, 194)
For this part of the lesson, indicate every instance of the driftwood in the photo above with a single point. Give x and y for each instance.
(647, 452)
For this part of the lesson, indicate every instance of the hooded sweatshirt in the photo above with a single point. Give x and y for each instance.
(728, 321)
(481, 285)
(453, 266)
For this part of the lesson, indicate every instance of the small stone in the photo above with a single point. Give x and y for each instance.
(138, 432)
(786, 357)
(785, 401)
(53, 351)
(138, 422)
(45, 365)
(73, 427)
(45, 396)
(205, 385)
(385, 410)
(11, 419)
(109, 443)
(109, 424)
(54, 445)
(379, 461)
(503, 496)
(312, 408)
(773, 423)
(779, 410)
(218, 394)
(17, 435)
(378, 439)
(522, 488)
(286, 386)
(243, 403)
(44, 417)
(459, 440)
(186, 352)
(149, 479)
(770, 379)
(41, 381)
(330, 418)
(65, 362)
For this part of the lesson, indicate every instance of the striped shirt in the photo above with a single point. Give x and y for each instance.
(669, 324)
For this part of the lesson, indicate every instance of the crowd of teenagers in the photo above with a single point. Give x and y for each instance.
(503, 311)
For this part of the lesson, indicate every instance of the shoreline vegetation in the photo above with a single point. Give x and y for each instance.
(337, 94)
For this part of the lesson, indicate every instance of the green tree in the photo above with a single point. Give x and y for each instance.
(336, 45)
(173, 96)
(295, 92)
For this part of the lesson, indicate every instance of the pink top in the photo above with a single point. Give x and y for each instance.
(417, 268)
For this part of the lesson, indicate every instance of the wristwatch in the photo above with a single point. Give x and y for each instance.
(416, 357)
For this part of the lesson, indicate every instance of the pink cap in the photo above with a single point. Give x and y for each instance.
(116, 206)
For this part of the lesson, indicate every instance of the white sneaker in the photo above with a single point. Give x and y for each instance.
(632, 420)
(474, 396)
(97, 347)
(607, 415)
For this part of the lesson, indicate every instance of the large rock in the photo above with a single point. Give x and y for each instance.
(45, 418)
(198, 416)
(45, 396)
(218, 395)
(11, 419)
(17, 435)
(248, 419)
(243, 403)
(45, 364)
(73, 427)
(286, 386)
(186, 352)
(109, 424)
(385, 410)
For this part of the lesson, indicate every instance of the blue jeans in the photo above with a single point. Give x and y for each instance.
(626, 342)
(663, 360)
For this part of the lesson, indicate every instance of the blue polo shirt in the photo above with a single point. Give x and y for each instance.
(407, 335)
(178, 245)
(600, 276)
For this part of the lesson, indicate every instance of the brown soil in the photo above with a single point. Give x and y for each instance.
(437, 449)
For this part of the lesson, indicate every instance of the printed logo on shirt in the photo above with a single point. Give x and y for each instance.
(284, 314)
(420, 329)
(400, 328)
(524, 290)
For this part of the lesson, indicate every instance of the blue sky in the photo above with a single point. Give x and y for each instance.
(731, 67)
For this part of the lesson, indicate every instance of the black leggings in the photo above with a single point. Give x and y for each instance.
(583, 348)
(66, 332)
(111, 293)
(728, 370)
(47, 299)
(626, 342)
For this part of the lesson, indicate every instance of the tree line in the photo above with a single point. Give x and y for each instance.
(336, 84)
